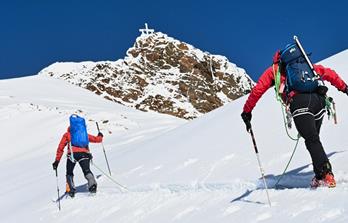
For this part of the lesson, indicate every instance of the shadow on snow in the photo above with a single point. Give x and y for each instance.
(289, 180)
(83, 188)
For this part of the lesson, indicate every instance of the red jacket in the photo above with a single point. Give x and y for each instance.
(267, 80)
(66, 138)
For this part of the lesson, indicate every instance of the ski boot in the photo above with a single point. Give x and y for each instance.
(329, 180)
(70, 186)
(93, 189)
(326, 179)
(315, 183)
(92, 184)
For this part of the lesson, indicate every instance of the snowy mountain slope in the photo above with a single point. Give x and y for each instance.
(162, 74)
(204, 170)
(41, 97)
(34, 115)
(338, 61)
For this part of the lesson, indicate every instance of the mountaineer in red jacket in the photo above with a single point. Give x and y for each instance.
(80, 155)
(307, 110)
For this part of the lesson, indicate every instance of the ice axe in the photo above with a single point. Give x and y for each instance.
(58, 189)
(259, 161)
(107, 163)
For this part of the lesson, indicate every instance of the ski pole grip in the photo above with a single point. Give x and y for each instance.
(97, 126)
(56, 172)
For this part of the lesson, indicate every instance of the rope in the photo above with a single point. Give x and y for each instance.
(287, 165)
(283, 107)
(110, 178)
(286, 128)
(279, 99)
(277, 80)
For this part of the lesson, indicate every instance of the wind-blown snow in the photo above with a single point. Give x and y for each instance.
(204, 170)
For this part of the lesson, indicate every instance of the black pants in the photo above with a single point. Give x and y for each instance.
(308, 111)
(83, 159)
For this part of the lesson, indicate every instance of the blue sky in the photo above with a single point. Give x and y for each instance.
(36, 33)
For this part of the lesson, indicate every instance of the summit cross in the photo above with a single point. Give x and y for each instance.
(146, 31)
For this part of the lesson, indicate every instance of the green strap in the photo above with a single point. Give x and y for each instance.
(277, 84)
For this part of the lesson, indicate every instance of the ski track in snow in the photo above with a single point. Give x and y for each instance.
(214, 166)
(163, 196)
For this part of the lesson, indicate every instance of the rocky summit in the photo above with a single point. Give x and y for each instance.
(161, 74)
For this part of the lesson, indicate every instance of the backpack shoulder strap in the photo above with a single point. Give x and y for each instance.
(277, 81)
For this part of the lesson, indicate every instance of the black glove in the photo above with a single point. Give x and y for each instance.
(100, 134)
(90, 156)
(346, 90)
(246, 116)
(55, 164)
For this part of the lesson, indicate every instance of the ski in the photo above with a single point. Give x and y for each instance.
(65, 195)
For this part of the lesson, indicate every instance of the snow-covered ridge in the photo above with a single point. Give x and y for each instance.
(339, 62)
(162, 74)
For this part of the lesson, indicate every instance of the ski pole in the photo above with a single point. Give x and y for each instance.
(58, 190)
(259, 161)
(107, 163)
